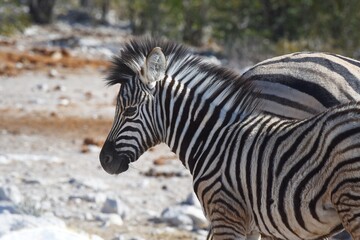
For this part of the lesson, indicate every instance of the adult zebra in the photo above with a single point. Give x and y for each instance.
(299, 85)
(203, 112)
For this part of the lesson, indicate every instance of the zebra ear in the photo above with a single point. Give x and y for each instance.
(154, 68)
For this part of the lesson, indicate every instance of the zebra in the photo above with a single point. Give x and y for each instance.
(208, 116)
(302, 84)
(299, 85)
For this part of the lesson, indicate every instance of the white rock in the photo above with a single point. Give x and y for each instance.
(84, 198)
(88, 216)
(108, 219)
(78, 201)
(100, 198)
(197, 215)
(150, 213)
(144, 183)
(56, 56)
(48, 233)
(94, 148)
(37, 101)
(46, 206)
(10, 193)
(4, 159)
(11, 222)
(105, 52)
(115, 205)
(174, 217)
(114, 219)
(89, 42)
(202, 232)
(64, 213)
(192, 199)
(64, 102)
(7, 207)
(53, 73)
(19, 65)
(27, 158)
(31, 31)
(48, 215)
(94, 183)
(184, 215)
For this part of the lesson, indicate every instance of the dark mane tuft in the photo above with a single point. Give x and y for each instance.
(132, 56)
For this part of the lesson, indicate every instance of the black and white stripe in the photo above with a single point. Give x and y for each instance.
(289, 179)
(253, 172)
(300, 85)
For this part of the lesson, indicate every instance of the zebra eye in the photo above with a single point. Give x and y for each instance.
(130, 111)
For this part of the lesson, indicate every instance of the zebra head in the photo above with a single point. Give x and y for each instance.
(135, 127)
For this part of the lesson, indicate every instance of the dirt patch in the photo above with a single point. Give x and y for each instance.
(49, 124)
(13, 63)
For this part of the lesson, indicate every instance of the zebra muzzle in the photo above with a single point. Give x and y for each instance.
(112, 162)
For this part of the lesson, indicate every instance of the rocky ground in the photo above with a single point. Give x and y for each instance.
(55, 112)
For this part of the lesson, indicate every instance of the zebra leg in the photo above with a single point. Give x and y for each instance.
(347, 203)
(210, 235)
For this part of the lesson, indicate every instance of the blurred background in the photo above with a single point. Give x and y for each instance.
(239, 29)
(55, 110)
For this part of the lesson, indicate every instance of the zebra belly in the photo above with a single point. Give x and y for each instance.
(285, 221)
(328, 224)
(224, 211)
(223, 206)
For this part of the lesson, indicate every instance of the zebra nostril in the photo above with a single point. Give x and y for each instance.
(108, 159)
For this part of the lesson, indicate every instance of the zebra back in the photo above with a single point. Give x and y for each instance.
(299, 85)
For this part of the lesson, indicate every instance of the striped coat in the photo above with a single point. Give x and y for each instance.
(253, 172)
(299, 85)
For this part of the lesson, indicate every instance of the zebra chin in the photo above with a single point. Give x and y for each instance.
(112, 162)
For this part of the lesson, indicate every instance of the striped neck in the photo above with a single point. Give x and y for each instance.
(195, 101)
(199, 103)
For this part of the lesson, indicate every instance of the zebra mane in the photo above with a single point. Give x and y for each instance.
(132, 56)
(181, 61)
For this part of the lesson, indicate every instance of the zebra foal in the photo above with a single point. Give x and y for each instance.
(253, 173)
